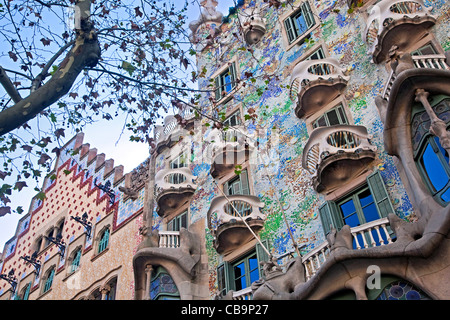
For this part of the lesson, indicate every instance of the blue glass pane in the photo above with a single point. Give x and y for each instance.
(365, 198)
(253, 262)
(348, 208)
(241, 283)
(444, 153)
(371, 213)
(239, 270)
(254, 276)
(228, 84)
(349, 213)
(446, 195)
(434, 169)
(301, 24)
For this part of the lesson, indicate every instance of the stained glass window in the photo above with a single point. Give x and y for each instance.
(162, 286)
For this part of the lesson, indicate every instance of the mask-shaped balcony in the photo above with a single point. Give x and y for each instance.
(336, 154)
(399, 22)
(225, 220)
(228, 149)
(253, 25)
(173, 188)
(315, 83)
(172, 129)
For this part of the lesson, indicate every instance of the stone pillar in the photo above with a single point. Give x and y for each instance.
(148, 280)
(104, 290)
(438, 127)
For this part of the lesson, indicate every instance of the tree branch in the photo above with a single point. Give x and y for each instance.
(84, 53)
(36, 83)
(9, 86)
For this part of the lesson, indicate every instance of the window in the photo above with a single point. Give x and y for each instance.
(299, 23)
(431, 159)
(433, 163)
(24, 293)
(332, 117)
(178, 222)
(233, 120)
(162, 286)
(104, 240)
(427, 49)
(319, 69)
(49, 280)
(358, 208)
(237, 185)
(178, 162)
(49, 235)
(245, 272)
(76, 258)
(368, 203)
(225, 82)
(111, 293)
(241, 273)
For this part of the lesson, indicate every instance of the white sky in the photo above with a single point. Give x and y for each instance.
(105, 137)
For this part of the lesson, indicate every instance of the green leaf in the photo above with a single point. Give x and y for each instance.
(41, 196)
(128, 67)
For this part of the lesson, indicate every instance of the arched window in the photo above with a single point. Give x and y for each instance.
(49, 280)
(162, 286)
(393, 288)
(104, 241)
(431, 158)
(76, 258)
(24, 293)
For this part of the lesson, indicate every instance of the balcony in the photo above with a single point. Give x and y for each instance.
(172, 129)
(178, 250)
(368, 235)
(228, 149)
(253, 25)
(336, 154)
(229, 221)
(435, 61)
(315, 83)
(169, 239)
(400, 23)
(173, 188)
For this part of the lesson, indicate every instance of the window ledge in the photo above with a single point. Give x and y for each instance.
(300, 39)
(99, 254)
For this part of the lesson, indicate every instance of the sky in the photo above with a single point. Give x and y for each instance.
(105, 136)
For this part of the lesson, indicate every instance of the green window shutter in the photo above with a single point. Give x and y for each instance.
(27, 292)
(307, 13)
(103, 241)
(262, 255)
(243, 177)
(49, 281)
(225, 278)
(218, 89)
(225, 189)
(289, 29)
(233, 75)
(76, 261)
(330, 216)
(380, 195)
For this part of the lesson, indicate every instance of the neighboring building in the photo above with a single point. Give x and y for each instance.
(88, 264)
(327, 176)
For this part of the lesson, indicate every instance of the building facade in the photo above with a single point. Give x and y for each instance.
(78, 241)
(316, 167)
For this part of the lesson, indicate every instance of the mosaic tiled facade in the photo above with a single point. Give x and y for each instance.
(310, 162)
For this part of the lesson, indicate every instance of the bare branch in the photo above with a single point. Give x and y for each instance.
(9, 86)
